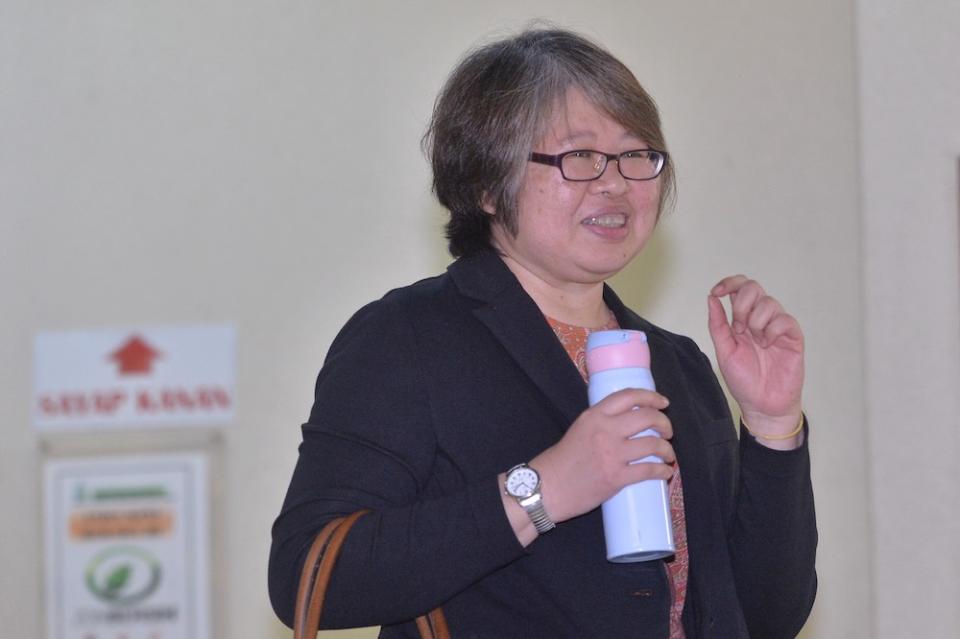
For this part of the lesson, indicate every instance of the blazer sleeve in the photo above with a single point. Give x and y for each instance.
(771, 529)
(371, 443)
(773, 539)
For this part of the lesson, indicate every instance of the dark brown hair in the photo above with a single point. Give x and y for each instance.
(499, 101)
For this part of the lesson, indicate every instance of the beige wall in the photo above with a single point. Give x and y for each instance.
(258, 163)
(910, 95)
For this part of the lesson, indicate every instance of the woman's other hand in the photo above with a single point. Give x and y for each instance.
(593, 459)
(760, 354)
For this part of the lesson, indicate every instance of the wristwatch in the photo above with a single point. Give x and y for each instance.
(523, 484)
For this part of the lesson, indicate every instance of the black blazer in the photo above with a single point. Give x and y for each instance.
(427, 394)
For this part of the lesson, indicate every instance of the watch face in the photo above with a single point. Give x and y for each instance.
(522, 482)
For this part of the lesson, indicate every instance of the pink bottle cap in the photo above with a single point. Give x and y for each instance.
(608, 350)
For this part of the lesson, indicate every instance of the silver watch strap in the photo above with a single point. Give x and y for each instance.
(534, 507)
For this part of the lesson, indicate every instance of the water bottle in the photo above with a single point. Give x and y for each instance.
(636, 521)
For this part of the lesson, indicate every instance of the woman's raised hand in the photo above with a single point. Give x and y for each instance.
(760, 354)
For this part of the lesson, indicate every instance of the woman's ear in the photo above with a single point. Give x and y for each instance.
(486, 203)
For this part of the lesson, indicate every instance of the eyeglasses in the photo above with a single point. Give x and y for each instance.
(584, 165)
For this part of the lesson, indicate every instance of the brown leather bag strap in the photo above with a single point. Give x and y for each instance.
(433, 625)
(317, 569)
(315, 575)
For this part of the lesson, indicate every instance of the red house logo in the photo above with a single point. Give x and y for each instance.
(135, 357)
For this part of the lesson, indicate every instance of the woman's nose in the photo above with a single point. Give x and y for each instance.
(610, 181)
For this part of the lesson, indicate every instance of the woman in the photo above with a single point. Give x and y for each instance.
(550, 157)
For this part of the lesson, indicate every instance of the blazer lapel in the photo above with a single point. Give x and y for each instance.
(514, 319)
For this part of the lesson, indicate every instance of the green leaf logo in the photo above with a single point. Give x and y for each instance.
(118, 578)
(123, 575)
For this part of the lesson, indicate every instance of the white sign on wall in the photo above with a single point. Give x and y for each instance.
(127, 548)
(136, 376)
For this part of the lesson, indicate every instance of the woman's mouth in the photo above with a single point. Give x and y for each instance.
(607, 220)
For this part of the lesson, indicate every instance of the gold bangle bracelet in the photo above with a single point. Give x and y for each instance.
(774, 438)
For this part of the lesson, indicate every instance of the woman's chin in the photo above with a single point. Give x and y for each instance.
(606, 264)
(601, 270)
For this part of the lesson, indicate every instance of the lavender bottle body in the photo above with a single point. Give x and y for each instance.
(636, 520)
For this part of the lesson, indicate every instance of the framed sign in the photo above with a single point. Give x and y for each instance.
(127, 542)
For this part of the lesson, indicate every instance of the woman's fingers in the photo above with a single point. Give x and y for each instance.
(636, 421)
(646, 470)
(765, 309)
(751, 310)
(743, 293)
(782, 325)
(629, 399)
(633, 410)
(640, 448)
(728, 285)
(639, 451)
(720, 331)
(742, 303)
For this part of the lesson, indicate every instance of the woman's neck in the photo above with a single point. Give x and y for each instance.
(576, 303)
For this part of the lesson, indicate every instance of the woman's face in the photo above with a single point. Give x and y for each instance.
(580, 232)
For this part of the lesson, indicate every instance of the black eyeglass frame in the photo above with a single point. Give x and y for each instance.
(557, 161)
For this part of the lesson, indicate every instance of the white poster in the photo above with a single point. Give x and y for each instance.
(134, 377)
(127, 548)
